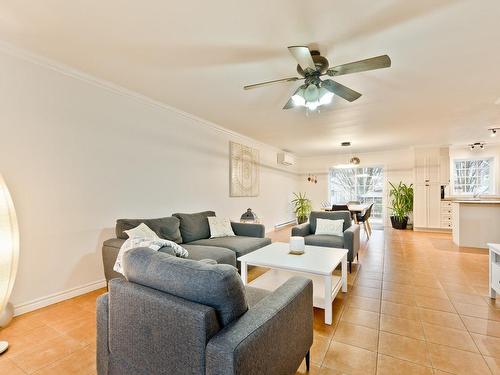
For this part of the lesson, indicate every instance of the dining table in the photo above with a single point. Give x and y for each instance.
(355, 209)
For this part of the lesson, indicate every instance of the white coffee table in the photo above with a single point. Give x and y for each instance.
(317, 263)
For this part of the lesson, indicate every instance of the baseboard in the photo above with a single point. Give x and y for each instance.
(285, 224)
(38, 303)
(432, 230)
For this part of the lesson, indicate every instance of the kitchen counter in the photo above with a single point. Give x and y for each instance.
(475, 223)
(482, 201)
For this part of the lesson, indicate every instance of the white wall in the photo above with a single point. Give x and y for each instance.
(398, 166)
(77, 156)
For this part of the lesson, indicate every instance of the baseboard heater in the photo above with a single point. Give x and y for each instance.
(284, 224)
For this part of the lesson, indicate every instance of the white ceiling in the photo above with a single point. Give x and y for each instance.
(197, 55)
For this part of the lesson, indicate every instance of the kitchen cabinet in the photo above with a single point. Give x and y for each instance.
(444, 165)
(446, 214)
(427, 206)
(427, 209)
(427, 166)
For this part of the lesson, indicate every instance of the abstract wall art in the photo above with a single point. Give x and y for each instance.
(244, 170)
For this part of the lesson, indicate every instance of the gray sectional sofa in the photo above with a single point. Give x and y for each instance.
(349, 240)
(192, 232)
(174, 316)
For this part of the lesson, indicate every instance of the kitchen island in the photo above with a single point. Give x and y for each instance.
(476, 223)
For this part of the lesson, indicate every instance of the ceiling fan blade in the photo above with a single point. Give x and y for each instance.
(373, 63)
(303, 56)
(255, 85)
(341, 90)
(290, 104)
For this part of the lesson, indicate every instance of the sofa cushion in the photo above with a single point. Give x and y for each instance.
(329, 227)
(330, 215)
(165, 227)
(219, 254)
(194, 226)
(141, 231)
(110, 250)
(218, 286)
(114, 242)
(118, 242)
(241, 245)
(324, 240)
(220, 227)
(196, 252)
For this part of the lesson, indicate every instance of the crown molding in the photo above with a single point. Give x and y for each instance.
(119, 90)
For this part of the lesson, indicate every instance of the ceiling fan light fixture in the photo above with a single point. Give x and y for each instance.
(311, 93)
(325, 96)
(311, 67)
(298, 100)
(312, 106)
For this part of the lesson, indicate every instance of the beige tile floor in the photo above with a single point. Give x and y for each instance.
(416, 304)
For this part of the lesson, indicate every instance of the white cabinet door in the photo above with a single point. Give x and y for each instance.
(427, 165)
(420, 175)
(434, 205)
(433, 174)
(433, 156)
(444, 166)
(420, 166)
(428, 179)
(420, 206)
(433, 159)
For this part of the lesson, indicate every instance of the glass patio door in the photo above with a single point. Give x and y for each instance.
(364, 184)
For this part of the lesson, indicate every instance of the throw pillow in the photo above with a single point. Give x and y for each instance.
(142, 231)
(329, 227)
(220, 227)
(164, 227)
(194, 227)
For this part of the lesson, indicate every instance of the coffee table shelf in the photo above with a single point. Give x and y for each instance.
(317, 264)
(272, 279)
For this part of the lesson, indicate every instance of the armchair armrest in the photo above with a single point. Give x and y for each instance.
(102, 349)
(249, 229)
(302, 230)
(272, 337)
(351, 241)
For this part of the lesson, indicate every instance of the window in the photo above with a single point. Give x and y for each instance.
(472, 176)
(365, 185)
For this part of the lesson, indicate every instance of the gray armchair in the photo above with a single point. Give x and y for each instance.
(349, 241)
(180, 316)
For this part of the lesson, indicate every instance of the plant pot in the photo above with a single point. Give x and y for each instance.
(301, 219)
(398, 223)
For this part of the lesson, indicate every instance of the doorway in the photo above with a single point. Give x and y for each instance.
(363, 184)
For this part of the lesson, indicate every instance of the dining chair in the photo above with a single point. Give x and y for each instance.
(365, 220)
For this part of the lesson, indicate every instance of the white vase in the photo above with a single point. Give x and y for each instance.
(297, 245)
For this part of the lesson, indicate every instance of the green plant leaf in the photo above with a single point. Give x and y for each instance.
(401, 199)
(302, 205)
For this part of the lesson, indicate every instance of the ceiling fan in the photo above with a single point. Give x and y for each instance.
(315, 91)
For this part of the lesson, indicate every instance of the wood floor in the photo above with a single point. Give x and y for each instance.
(416, 304)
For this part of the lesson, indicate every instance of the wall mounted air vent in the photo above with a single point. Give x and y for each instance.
(285, 158)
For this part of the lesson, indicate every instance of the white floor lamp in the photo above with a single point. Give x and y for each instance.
(9, 254)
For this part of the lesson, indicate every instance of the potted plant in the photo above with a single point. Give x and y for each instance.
(302, 207)
(401, 204)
